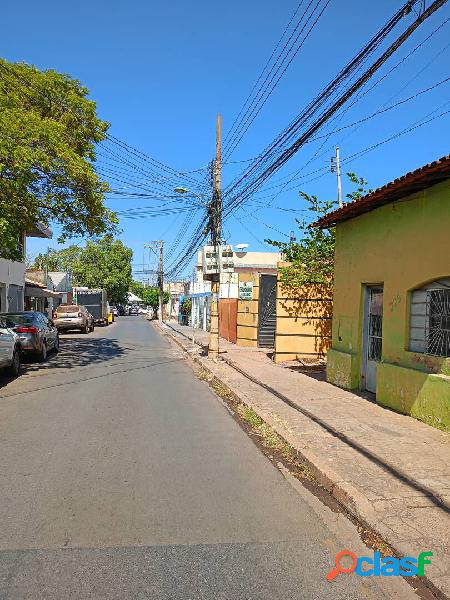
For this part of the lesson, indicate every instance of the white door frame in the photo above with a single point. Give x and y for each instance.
(368, 367)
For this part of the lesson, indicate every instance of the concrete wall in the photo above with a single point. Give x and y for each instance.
(303, 326)
(402, 245)
(11, 273)
(247, 314)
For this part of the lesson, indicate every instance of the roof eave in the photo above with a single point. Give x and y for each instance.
(407, 185)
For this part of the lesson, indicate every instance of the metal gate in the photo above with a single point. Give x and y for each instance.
(267, 310)
(372, 336)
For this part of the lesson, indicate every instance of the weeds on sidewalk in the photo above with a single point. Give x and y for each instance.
(273, 445)
(279, 451)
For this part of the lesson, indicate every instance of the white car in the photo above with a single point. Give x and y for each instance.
(9, 350)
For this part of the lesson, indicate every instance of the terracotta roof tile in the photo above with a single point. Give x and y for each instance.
(408, 184)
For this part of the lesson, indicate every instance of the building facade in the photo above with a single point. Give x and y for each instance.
(391, 306)
(45, 291)
(12, 283)
(238, 316)
(303, 321)
(12, 274)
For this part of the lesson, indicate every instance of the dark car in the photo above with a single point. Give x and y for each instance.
(37, 335)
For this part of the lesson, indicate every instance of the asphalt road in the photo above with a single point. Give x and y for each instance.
(124, 477)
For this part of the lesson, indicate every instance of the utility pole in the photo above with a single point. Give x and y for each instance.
(336, 166)
(154, 247)
(161, 281)
(215, 225)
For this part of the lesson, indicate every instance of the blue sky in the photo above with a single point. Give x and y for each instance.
(160, 72)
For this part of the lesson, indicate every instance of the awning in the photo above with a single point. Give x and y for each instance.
(200, 295)
(32, 291)
(40, 231)
(133, 298)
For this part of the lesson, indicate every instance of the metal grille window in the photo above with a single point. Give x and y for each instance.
(429, 330)
(375, 324)
(438, 322)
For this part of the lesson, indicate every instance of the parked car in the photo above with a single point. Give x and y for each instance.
(37, 334)
(91, 322)
(121, 310)
(9, 349)
(73, 316)
(134, 309)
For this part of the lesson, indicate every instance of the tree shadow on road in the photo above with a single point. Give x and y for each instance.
(76, 352)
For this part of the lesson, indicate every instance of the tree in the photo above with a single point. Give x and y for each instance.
(105, 263)
(137, 288)
(361, 189)
(148, 295)
(312, 258)
(58, 260)
(48, 132)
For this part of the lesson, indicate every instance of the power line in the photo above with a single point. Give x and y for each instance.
(240, 190)
(347, 160)
(262, 72)
(284, 155)
(382, 110)
(267, 87)
(324, 170)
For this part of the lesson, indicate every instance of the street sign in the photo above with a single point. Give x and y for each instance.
(246, 290)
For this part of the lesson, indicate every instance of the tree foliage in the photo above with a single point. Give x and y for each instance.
(312, 257)
(361, 187)
(58, 260)
(148, 295)
(105, 263)
(48, 132)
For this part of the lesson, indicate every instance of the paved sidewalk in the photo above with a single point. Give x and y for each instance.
(389, 470)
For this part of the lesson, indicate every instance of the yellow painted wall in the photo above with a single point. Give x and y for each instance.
(402, 245)
(247, 316)
(303, 325)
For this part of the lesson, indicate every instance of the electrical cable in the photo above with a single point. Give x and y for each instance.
(262, 96)
(286, 154)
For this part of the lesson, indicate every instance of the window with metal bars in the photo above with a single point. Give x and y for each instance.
(430, 319)
(438, 322)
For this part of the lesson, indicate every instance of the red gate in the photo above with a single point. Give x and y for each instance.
(228, 319)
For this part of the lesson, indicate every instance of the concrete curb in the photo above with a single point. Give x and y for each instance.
(345, 494)
(351, 500)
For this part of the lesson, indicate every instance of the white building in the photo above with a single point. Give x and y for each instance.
(12, 283)
(12, 275)
(46, 291)
(244, 262)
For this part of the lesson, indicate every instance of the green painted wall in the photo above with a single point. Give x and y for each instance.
(422, 395)
(402, 245)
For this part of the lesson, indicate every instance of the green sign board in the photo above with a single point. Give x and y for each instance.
(246, 290)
